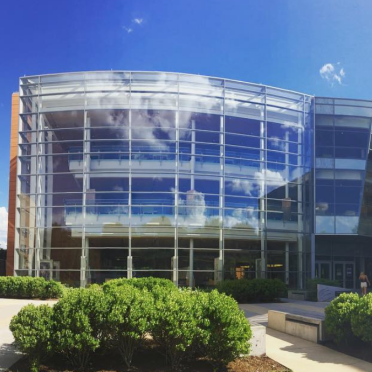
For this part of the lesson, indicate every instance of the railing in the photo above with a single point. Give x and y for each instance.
(153, 154)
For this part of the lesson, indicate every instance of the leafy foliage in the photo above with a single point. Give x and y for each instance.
(31, 329)
(184, 323)
(29, 287)
(254, 290)
(227, 330)
(361, 319)
(79, 320)
(176, 326)
(338, 316)
(141, 283)
(128, 320)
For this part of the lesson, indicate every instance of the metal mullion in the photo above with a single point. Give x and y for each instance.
(129, 259)
(83, 270)
(222, 184)
(37, 188)
(176, 180)
(264, 207)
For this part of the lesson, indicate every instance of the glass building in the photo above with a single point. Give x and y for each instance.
(186, 177)
(343, 180)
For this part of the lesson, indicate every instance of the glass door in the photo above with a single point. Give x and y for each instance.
(344, 273)
(323, 270)
(349, 275)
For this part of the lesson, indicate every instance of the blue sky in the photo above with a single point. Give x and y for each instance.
(320, 47)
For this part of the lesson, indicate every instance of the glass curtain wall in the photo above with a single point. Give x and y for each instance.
(343, 179)
(191, 178)
(342, 146)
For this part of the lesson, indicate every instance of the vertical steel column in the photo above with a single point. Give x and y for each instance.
(38, 242)
(83, 259)
(263, 203)
(130, 257)
(286, 195)
(221, 257)
(176, 181)
(313, 194)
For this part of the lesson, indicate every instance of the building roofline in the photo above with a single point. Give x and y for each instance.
(171, 72)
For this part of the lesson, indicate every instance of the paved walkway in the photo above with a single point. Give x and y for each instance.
(8, 308)
(295, 353)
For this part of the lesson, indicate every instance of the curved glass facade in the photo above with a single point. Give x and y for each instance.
(186, 177)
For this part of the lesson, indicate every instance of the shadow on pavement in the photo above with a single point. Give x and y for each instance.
(8, 356)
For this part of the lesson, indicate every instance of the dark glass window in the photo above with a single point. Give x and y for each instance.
(242, 126)
(232, 139)
(345, 138)
(324, 137)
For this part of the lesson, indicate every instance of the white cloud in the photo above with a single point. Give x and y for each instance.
(128, 29)
(241, 186)
(138, 21)
(332, 73)
(3, 227)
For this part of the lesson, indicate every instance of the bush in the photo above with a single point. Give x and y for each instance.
(361, 319)
(182, 322)
(29, 287)
(36, 288)
(79, 322)
(141, 283)
(227, 330)
(253, 290)
(128, 320)
(53, 289)
(312, 286)
(338, 317)
(31, 329)
(176, 324)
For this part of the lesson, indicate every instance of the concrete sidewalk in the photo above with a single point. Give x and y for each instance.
(295, 353)
(8, 308)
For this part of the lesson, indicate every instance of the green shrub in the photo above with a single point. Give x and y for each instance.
(79, 322)
(253, 290)
(53, 289)
(15, 287)
(35, 287)
(227, 330)
(176, 324)
(128, 319)
(338, 317)
(31, 329)
(141, 283)
(312, 286)
(29, 287)
(361, 319)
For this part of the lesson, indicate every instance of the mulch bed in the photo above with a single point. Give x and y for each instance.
(153, 361)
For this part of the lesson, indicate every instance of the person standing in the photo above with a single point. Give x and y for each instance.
(363, 282)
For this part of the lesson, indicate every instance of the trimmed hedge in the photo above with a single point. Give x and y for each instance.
(338, 316)
(227, 330)
(361, 319)
(32, 331)
(29, 287)
(184, 323)
(141, 283)
(129, 318)
(348, 319)
(253, 290)
(313, 289)
(79, 322)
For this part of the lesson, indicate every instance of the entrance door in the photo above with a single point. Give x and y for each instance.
(323, 270)
(344, 273)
